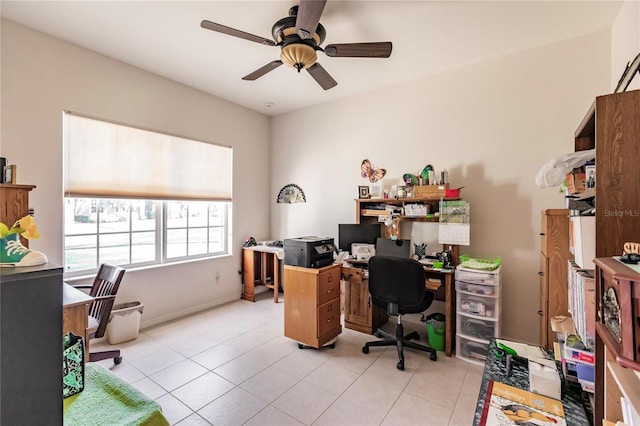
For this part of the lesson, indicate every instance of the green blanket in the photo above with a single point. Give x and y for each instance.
(109, 400)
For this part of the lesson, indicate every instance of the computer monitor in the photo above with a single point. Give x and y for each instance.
(397, 248)
(349, 233)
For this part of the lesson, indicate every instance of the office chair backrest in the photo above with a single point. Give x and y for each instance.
(395, 248)
(104, 290)
(396, 280)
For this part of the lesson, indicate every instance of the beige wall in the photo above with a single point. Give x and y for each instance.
(491, 125)
(42, 76)
(625, 42)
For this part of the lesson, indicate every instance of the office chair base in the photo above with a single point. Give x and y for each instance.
(400, 341)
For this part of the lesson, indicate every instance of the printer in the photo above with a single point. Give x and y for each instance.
(309, 252)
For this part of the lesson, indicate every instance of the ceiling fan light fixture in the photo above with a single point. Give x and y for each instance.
(298, 55)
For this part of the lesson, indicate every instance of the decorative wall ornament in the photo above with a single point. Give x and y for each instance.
(290, 194)
(368, 171)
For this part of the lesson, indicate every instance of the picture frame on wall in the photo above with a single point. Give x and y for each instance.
(9, 174)
(363, 192)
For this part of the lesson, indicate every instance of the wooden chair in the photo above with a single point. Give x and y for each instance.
(104, 289)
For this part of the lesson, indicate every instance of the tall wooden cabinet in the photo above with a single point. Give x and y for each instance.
(612, 127)
(554, 255)
(360, 313)
(14, 204)
(312, 304)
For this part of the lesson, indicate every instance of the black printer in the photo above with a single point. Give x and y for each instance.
(309, 252)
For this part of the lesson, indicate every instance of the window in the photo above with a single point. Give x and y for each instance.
(148, 211)
(141, 232)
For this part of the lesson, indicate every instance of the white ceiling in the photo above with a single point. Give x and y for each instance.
(428, 37)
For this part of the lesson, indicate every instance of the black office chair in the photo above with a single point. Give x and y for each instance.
(104, 289)
(398, 284)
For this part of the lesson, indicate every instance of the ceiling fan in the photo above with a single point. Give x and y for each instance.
(299, 36)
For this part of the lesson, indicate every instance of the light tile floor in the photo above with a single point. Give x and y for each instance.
(233, 365)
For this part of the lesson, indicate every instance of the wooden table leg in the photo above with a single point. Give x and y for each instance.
(276, 277)
(450, 314)
(263, 268)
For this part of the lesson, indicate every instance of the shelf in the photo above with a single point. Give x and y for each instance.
(628, 383)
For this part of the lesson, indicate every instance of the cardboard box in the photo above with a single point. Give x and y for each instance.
(576, 180)
(429, 191)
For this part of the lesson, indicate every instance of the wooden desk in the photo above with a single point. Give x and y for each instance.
(361, 315)
(75, 314)
(261, 266)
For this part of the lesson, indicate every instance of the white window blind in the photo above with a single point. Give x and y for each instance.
(113, 160)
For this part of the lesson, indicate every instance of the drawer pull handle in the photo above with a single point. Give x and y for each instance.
(542, 234)
(329, 308)
(330, 279)
(541, 274)
(330, 291)
(540, 313)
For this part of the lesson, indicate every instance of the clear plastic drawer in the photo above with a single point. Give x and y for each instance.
(482, 290)
(477, 328)
(472, 350)
(477, 305)
(478, 277)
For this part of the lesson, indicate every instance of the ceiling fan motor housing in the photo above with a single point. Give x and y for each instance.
(296, 52)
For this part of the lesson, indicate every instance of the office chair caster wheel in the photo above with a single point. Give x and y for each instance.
(300, 346)
(433, 357)
(400, 366)
(365, 349)
(332, 346)
(117, 360)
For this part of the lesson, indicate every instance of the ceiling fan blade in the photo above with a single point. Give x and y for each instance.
(321, 75)
(309, 13)
(262, 70)
(235, 33)
(359, 50)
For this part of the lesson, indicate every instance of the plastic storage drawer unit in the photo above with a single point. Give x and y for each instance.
(478, 312)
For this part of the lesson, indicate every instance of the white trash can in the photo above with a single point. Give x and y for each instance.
(124, 322)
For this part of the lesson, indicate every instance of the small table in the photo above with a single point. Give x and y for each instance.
(495, 369)
(75, 314)
(261, 266)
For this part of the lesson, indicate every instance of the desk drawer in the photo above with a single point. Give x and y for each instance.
(329, 285)
(328, 317)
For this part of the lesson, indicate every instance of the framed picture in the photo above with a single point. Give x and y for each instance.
(9, 174)
(363, 192)
(376, 191)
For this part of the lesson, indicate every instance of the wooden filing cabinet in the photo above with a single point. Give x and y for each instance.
(312, 304)
(360, 313)
(554, 257)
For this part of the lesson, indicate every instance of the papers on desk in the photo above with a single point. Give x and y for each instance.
(532, 353)
(543, 374)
